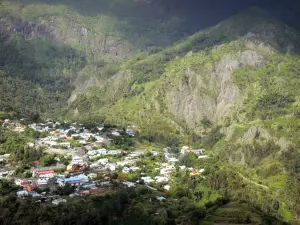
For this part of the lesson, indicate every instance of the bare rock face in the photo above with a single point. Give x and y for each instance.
(254, 133)
(210, 94)
(82, 85)
(67, 35)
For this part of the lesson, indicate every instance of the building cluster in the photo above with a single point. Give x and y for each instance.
(92, 168)
(15, 126)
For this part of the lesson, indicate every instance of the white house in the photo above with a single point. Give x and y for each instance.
(110, 166)
(115, 133)
(147, 179)
(77, 160)
(160, 179)
(103, 161)
(167, 187)
(129, 184)
(125, 170)
(173, 161)
(135, 168)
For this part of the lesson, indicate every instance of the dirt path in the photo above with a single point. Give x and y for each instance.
(252, 182)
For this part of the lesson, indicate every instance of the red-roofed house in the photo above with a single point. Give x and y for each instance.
(46, 173)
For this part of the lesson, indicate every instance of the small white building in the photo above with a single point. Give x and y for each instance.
(129, 184)
(147, 180)
(115, 133)
(125, 169)
(160, 179)
(110, 166)
(103, 161)
(167, 187)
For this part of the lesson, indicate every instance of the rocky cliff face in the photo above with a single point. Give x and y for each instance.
(211, 93)
(70, 35)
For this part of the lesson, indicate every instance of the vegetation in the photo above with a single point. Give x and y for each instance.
(232, 89)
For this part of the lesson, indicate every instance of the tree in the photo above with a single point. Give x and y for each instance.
(188, 159)
(47, 160)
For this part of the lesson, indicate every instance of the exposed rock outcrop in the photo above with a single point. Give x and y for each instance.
(210, 94)
(67, 35)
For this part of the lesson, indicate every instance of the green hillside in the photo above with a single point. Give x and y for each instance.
(46, 45)
(232, 88)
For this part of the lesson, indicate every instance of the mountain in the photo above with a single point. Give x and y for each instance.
(231, 87)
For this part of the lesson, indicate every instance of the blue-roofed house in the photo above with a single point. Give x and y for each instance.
(99, 152)
(114, 152)
(71, 180)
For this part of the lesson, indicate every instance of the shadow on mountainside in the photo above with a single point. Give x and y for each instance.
(36, 75)
(163, 21)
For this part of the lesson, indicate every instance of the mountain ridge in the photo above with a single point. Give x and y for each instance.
(223, 88)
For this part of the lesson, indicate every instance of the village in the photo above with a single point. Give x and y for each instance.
(90, 166)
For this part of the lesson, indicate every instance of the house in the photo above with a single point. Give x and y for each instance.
(83, 177)
(167, 170)
(160, 198)
(45, 173)
(58, 201)
(202, 156)
(194, 172)
(182, 167)
(100, 128)
(77, 160)
(125, 170)
(115, 133)
(134, 168)
(110, 166)
(168, 156)
(5, 156)
(129, 184)
(75, 181)
(197, 151)
(160, 179)
(98, 152)
(103, 161)
(65, 144)
(42, 181)
(75, 135)
(83, 142)
(22, 193)
(147, 179)
(34, 194)
(94, 165)
(92, 175)
(115, 152)
(130, 131)
(99, 138)
(173, 161)
(105, 184)
(167, 187)
(126, 162)
(88, 186)
(31, 145)
(23, 183)
(184, 149)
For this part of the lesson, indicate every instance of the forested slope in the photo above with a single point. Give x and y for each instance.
(56, 47)
(232, 88)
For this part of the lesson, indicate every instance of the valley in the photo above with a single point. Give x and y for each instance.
(66, 165)
(174, 75)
